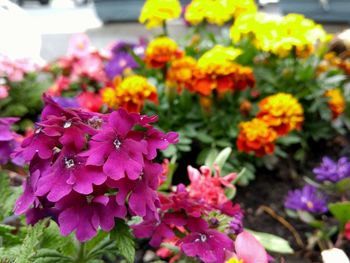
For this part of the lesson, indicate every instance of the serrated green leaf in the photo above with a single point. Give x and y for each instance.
(272, 243)
(124, 240)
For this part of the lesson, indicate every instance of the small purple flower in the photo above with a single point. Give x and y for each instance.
(306, 199)
(122, 60)
(119, 63)
(65, 102)
(8, 139)
(86, 214)
(236, 223)
(332, 171)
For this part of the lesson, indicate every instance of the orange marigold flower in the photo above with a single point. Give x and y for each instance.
(256, 136)
(180, 72)
(282, 112)
(131, 94)
(216, 70)
(160, 51)
(336, 102)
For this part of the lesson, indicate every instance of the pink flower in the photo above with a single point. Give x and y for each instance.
(244, 245)
(4, 92)
(347, 230)
(90, 101)
(207, 187)
(79, 46)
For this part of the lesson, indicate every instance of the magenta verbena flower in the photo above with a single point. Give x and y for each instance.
(332, 171)
(86, 169)
(209, 245)
(205, 226)
(306, 199)
(8, 139)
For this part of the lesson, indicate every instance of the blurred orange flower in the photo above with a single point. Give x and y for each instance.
(180, 72)
(160, 51)
(216, 70)
(336, 102)
(130, 93)
(256, 136)
(282, 112)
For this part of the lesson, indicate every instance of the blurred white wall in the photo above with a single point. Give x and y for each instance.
(19, 34)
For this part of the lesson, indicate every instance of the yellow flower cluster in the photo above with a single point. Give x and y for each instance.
(160, 51)
(217, 12)
(336, 102)
(279, 35)
(130, 93)
(154, 12)
(282, 112)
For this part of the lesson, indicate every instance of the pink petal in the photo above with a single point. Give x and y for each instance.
(246, 243)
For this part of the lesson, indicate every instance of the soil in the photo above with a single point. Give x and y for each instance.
(270, 188)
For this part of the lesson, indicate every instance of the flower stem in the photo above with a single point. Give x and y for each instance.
(81, 254)
(165, 29)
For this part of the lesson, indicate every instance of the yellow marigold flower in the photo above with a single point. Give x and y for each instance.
(212, 11)
(160, 51)
(256, 136)
(155, 12)
(217, 58)
(336, 101)
(216, 69)
(279, 35)
(131, 94)
(282, 112)
(217, 12)
(240, 7)
(181, 72)
(109, 97)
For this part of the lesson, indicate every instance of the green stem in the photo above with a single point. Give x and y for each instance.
(165, 29)
(81, 254)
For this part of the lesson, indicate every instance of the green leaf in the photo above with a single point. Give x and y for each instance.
(341, 212)
(46, 255)
(272, 243)
(343, 185)
(222, 157)
(124, 240)
(288, 140)
(212, 154)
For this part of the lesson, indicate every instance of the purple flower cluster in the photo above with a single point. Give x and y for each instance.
(8, 140)
(332, 171)
(86, 169)
(306, 199)
(121, 59)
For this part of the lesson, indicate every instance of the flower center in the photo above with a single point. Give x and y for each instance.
(203, 237)
(37, 131)
(67, 124)
(95, 122)
(310, 205)
(117, 144)
(69, 163)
